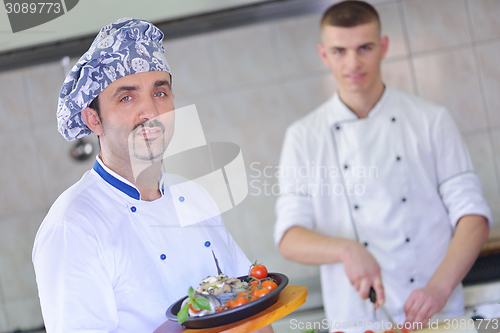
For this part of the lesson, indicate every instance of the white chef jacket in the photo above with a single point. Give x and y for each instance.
(397, 181)
(105, 261)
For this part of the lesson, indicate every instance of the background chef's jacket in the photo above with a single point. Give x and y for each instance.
(397, 181)
(105, 261)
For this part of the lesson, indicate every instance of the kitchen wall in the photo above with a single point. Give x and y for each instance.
(249, 84)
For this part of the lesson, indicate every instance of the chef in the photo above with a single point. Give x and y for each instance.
(377, 187)
(112, 254)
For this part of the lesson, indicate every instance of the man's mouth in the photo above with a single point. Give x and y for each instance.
(149, 130)
(149, 133)
(356, 77)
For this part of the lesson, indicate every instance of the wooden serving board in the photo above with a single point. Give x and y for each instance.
(291, 298)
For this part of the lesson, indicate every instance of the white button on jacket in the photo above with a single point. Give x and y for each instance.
(397, 181)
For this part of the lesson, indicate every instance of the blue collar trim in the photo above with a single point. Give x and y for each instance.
(118, 184)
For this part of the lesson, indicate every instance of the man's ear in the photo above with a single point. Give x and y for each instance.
(92, 120)
(322, 54)
(384, 44)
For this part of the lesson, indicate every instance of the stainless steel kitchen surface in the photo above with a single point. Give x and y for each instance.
(483, 300)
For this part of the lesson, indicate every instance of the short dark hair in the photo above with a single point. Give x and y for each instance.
(350, 13)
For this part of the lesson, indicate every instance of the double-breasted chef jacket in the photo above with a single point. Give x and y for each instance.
(105, 261)
(396, 181)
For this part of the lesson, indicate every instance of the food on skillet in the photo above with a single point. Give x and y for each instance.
(218, 293)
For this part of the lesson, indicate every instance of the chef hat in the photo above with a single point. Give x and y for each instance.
(124, 47)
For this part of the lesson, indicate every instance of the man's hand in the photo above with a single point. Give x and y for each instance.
(363, 271)
(423, 303)
(309, 247)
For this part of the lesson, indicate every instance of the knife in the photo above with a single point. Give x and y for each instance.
(217, 264)
(373, 299)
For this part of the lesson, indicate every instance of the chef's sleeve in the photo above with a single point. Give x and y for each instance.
(293, 207)
(458, 184)
(75, 291)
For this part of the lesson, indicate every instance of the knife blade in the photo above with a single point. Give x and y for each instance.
(389, 317)
(216, 263)
(373, 299)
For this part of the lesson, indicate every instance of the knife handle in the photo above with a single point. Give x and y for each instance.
(372, 295)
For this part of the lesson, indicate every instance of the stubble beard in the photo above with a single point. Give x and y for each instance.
(149, 150)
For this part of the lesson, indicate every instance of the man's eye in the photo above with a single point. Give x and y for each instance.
(366, 48)
(160, 94)
(338, 51)
(126, 99)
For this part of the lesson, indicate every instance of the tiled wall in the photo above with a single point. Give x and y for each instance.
(249, 84)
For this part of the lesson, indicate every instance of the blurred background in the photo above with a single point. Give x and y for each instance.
(251, 68)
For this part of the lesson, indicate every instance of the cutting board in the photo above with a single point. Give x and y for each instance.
(291, 298)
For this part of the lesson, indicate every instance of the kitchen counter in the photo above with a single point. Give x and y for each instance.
(492, 245)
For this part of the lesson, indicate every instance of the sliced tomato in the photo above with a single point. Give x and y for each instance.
(193, 309)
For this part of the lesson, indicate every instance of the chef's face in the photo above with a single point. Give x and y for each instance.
(354, 55)
(136, 117)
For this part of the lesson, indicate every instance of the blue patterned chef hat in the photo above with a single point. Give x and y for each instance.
(124, 47)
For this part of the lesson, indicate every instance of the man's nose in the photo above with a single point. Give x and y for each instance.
(148, 108)
(353, 61)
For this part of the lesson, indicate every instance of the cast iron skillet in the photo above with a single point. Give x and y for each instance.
(231, 315)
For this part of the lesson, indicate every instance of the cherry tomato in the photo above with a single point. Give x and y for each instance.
(254, 283)
(259, 271)
(261, 293)
(238, 302)
(219, 309)
(193, 309)
(368, 331)
(405, 330)
(270, 285)
(244, 294)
